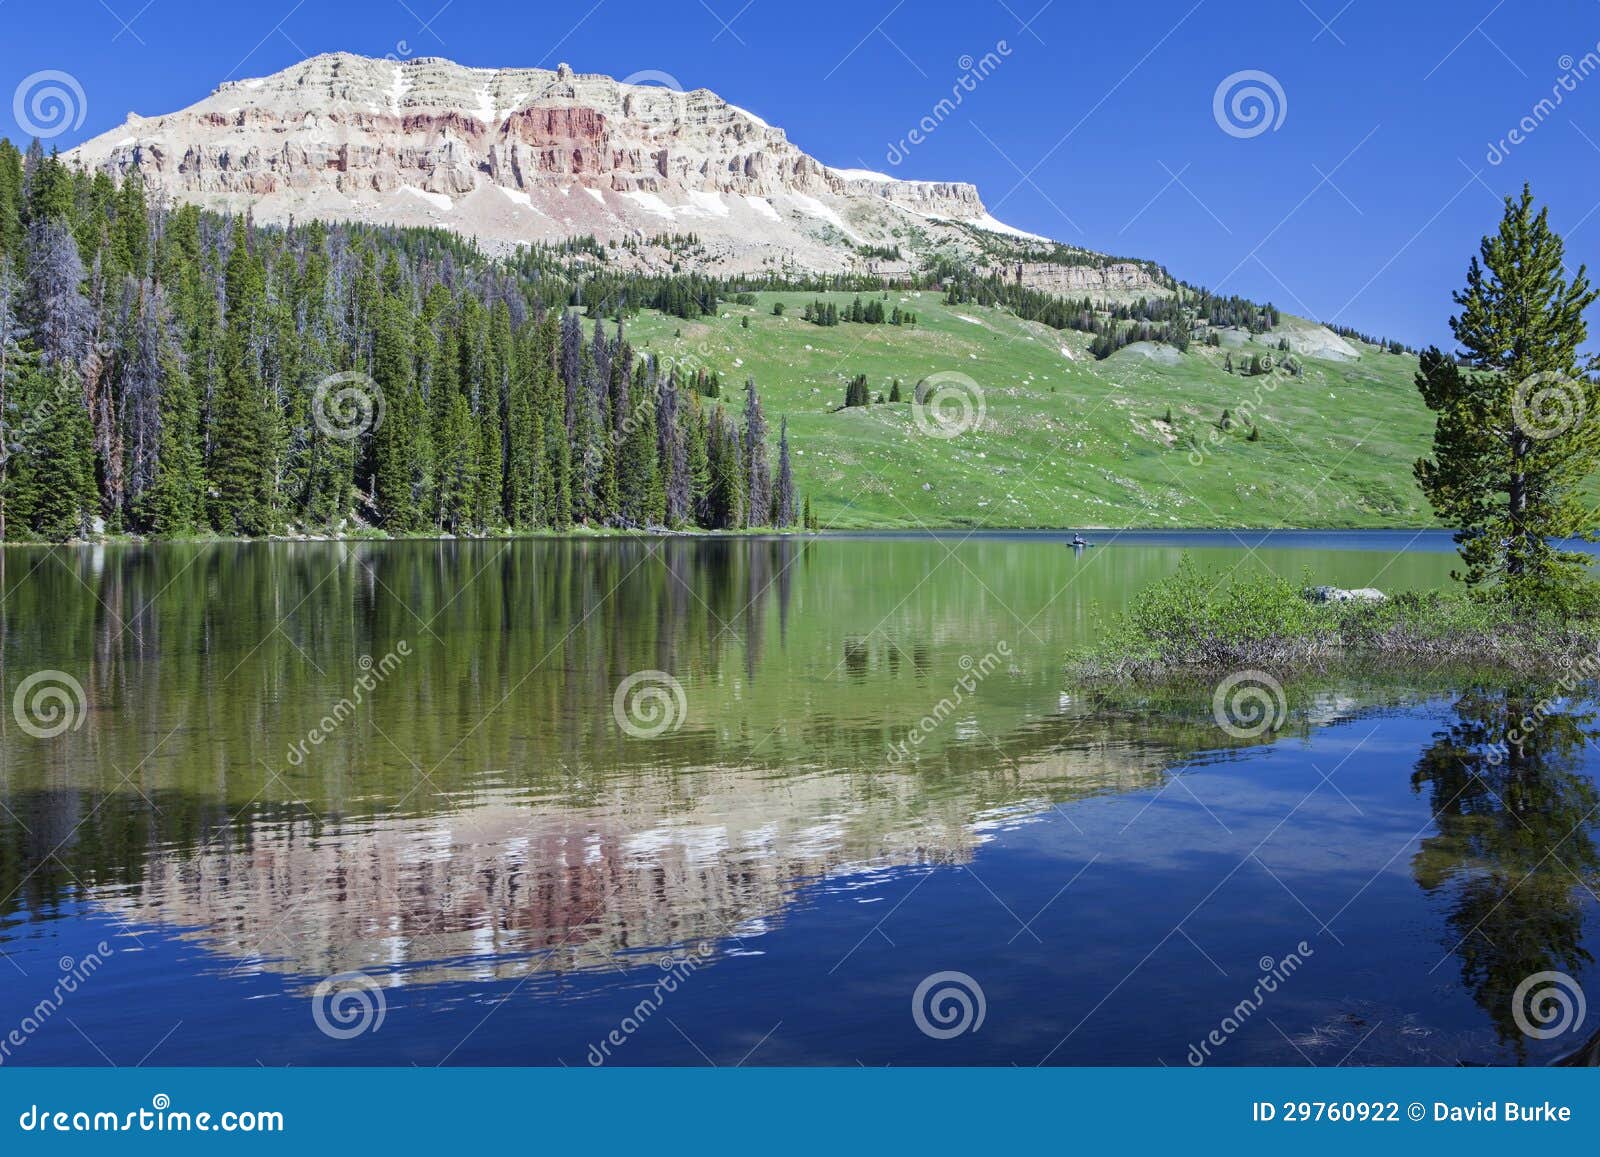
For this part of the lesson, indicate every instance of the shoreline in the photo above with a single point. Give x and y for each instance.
(1194, 627)
(1021, 533)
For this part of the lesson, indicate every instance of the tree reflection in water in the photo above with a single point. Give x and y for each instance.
(1514, 856)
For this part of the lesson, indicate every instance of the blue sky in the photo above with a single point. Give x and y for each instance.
(1361, 204)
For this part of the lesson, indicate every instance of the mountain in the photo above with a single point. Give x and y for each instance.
(530, 155)
(1159, 404)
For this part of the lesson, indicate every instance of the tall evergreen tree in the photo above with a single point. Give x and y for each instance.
(726, 478)
(639, 478)
(758, 484)
(130, 240)
(1518, 425)
(145, 356)
(397, 440)
(14, 362)
(51, 473)
(60, 316)
(672, 437)
(589, 441)
(239, 470)
(53, 486)
(783, 495)
(697, 454)
(173, 504)
(46, 187)
(557, 475)
(11, 202)
(524, 440)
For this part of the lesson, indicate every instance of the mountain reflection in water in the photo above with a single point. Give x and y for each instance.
(475, 829)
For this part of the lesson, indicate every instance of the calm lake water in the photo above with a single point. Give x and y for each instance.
(745, 801)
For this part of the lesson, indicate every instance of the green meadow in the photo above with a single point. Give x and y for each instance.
(1065, 440)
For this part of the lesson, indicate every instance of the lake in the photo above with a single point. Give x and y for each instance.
(753, 801)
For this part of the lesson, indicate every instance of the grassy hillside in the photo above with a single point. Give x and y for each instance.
(1065, 441)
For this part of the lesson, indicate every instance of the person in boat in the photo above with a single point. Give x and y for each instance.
(1077, 540)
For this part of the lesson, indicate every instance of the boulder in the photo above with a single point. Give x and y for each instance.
(1340, 595)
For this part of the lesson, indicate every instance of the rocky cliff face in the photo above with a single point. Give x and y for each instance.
(521, 155)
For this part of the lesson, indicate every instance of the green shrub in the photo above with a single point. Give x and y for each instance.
(1194, 623)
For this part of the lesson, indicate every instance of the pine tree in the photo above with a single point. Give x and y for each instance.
(11, 201)
(173, 505)
(1518, 427)
(857, 393)
(758, 485)
(147, 354)
(164, 367)
(613, 372)
(47, 187)
(672, 439)
(557, 475)
(238, 469)
(498, 394)
(14, 362)
(524, 444)
(396, 443)
(51, 495)
(783, 495)
(640, 492)
(59, 316)
(697, 456)
(725, 490)
(130, 241)
(458, 463)
(479, 377)
(52, 477)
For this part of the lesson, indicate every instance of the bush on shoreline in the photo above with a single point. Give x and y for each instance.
(1196, 624)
